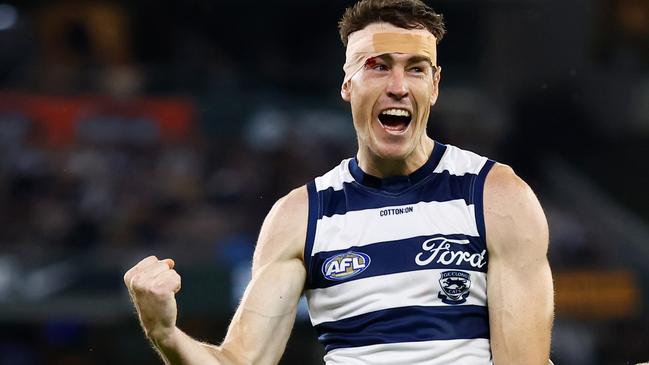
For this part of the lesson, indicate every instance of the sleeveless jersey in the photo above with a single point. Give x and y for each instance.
(396, 267)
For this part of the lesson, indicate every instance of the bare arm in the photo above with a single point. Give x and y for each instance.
(262, 324)
(519, 281)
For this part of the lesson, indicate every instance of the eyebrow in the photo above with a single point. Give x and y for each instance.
(412, 60)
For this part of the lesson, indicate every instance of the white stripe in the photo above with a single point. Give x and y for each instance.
(387, 291)
(457, 352)
(364, 227)
(335, 177)
(460, 162)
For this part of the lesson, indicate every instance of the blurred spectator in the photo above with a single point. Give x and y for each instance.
(78, 36)
(624, 34)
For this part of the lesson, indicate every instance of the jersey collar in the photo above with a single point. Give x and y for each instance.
(395, 184)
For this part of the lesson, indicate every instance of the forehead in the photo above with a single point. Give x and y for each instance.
(406, 41)
(381, 38)
(384, 38)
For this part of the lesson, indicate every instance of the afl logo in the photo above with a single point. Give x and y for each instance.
(455, 287)
(345, 265)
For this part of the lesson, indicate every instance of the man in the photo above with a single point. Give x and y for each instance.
(397, 248)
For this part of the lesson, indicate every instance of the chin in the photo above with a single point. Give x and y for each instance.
(392, 151)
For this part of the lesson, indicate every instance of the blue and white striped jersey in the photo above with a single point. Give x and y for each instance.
(397, 267)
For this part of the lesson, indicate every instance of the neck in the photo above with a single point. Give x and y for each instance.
(375, 165)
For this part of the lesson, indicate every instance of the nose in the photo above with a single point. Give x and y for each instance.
(397, 87)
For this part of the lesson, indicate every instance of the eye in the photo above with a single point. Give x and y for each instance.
(376, 64)
(417, 69)
(379, 67)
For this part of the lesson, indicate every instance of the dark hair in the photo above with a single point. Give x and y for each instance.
(408, 14)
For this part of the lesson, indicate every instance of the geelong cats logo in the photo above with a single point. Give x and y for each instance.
(345, 265)
(455, 287)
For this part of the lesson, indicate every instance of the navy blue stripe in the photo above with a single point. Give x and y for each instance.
(440, 187)
(399, 256)
(311, 224)
(406, 324)
(478, 197)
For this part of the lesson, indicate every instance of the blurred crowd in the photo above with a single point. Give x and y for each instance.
(121, 186)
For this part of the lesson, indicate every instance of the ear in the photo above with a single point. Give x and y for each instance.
(345, 91)
(436, 78)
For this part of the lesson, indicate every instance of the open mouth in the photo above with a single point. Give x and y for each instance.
(395, 120)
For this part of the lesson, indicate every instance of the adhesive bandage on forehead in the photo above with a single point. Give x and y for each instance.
(381, 38)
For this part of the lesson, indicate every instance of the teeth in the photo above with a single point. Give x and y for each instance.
(396, 112)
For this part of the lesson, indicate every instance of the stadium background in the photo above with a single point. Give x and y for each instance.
(130, 128)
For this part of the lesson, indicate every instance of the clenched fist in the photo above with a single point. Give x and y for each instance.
(152, 284)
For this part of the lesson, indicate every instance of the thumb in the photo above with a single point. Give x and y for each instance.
(170, 262)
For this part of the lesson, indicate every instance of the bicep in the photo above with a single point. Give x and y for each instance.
(262, 324)
(520, 311)
(519, 281)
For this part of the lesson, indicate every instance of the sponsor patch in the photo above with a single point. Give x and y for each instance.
(345, 265)
(455, 286)
(449, 252)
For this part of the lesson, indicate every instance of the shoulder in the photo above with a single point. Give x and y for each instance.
(514, 219)
(283, 232)
(288, 216)
(293, 204)
(502, 182)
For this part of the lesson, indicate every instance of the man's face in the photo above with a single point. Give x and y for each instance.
(391, 98)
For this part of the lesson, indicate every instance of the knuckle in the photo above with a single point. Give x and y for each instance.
(129, 274)
(136, 284)
(145, 262)
(160, 290)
